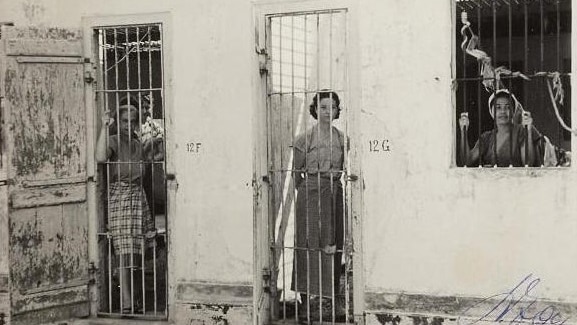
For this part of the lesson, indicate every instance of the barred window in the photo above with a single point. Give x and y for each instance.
(512, 83)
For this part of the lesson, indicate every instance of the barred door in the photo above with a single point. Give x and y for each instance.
(130, 150)
(308, 161)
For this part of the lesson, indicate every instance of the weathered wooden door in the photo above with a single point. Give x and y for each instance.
(42, 75)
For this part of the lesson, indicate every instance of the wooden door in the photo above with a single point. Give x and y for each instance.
(43, 89)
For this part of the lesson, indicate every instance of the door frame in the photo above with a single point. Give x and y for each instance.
(261, 230)
(90, 52)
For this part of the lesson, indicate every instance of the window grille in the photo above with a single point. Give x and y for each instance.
(523, 47)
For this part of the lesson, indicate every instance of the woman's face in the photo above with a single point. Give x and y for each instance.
(326, 109)
(128, 122)
(503, 110)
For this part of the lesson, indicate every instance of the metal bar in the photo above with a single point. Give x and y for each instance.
(140, 115)
(494, 10)
(283, 283)
(306, 180)
(307, 92)
(268, 101)
(332, 210)
(526, 43)
(121, 270)
(479, 106)
(281, 140)
(105, 83)
(510, 32)
(541, 68)
(128, 91)
(306, 12)
(154, 277)
(153, 212)
(295, 265)
(109, 239)
(558, 39)
(152, 204)
(541, 37)
(163, 162)
(121, 282)
(130, 166)
(346, 162)
(534, 75)
(496, 81)
(465, 106)
(142, 274)
(319, 212)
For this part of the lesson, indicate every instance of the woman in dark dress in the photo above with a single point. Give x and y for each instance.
(318, 167)
(508, 143)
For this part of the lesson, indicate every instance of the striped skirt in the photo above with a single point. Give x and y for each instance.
(129, 217)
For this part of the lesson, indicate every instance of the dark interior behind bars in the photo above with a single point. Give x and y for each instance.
(528, 36)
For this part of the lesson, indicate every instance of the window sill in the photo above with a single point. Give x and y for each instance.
(501, 172)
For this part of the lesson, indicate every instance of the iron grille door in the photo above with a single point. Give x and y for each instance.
(308, 165)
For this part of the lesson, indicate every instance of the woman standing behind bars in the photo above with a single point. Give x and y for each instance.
(507, 143)
(318, 165)
(129, 217)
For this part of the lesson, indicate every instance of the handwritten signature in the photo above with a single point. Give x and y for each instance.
(519, 305)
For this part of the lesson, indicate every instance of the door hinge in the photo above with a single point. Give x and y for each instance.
(88, 71)
(92, 271)
(88, 78)
(266, 279)
(262, 60)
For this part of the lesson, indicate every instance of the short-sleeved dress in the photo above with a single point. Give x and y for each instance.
(128, 213)
(319, 218)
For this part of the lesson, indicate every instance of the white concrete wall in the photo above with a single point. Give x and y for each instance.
(429, 228)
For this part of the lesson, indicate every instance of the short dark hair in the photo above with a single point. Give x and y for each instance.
(322, 95)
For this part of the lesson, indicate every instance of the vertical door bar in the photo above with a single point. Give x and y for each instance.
(153, 212)
(347, 240)
(509, 41)
(132, 237)
(479, 105)
(139, 98)
(331, 184)
(117, 164)
(318, 175)
(294, 125)
(306, 180)
(279, 186)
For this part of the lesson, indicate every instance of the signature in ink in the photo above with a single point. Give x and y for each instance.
(519, 305)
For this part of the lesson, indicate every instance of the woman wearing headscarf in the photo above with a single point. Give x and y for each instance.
(508, 143)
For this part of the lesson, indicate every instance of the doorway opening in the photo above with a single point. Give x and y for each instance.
(132, 186)
(307, 102)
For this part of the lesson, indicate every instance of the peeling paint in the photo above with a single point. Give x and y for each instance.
(48, 135)
(422, 320)
(213, 314)
(388, 318)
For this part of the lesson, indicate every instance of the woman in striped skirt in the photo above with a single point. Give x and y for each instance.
(129, 218)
